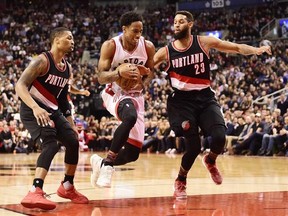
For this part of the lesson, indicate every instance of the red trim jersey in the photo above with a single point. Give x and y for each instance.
(188, 69)
(112, 95)
(138, 56)
(47, 88)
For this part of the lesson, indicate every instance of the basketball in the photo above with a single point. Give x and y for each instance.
(143, 70)
(125, 83)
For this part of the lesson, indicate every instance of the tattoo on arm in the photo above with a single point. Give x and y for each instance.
(38, 66)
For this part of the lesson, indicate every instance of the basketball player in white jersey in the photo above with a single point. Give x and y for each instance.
(125, 104)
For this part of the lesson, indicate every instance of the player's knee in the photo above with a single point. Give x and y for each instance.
(130, 118)
(50, 145)
(73, 144)
(218, 139)
(49, 148)
(218, 135)
(127, 112)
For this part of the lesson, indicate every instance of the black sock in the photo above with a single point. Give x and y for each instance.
(107, 163)
(69, 178)
(181, 178)
(109, 160)
(37, 182)
(209, 160)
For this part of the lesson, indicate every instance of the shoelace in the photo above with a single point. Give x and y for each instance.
(181, 186)
(46, 195)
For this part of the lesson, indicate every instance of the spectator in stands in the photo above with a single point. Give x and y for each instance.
(7, 139)
(235, 134)
(268, 140)
(82, 137)
(282, 103)
(242, 147)
(267, 128)
(282, 139)
(150, 139)
(92, 139)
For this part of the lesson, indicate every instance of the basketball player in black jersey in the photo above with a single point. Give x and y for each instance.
(46, 113)
(192, 105)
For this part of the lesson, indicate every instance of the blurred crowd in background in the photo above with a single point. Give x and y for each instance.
(257, 123)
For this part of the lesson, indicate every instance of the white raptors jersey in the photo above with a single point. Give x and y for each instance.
(112, 98)
(138, 56)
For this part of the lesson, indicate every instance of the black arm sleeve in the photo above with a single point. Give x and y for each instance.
(63, 102)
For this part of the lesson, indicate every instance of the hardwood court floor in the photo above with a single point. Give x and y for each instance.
(252, 186)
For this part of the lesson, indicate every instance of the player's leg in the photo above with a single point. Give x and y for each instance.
(127, 113)
(69, 139)
(127, 154)
(213, 125)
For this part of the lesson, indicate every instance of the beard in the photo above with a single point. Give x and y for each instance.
(182, 34)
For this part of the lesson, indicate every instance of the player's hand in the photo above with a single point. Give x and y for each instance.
(42, 116)
(85, 92)
(143, 70)
(128, 71)
(263, 49)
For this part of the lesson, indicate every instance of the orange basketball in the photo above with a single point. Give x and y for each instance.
(143, 70)
(127, 84)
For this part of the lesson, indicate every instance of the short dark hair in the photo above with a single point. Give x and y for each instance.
(56, 32)
(130, 17)
(187, 14)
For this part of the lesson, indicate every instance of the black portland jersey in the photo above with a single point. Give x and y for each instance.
(188, 69)
(47, 88)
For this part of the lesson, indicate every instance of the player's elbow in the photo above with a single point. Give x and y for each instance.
(18, 87)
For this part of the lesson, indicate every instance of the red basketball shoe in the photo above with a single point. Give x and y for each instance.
(214, 172)
(37, 199)
(72, 194)
(180, 189)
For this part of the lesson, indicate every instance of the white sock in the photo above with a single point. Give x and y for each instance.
(33, 189)
(67, 185)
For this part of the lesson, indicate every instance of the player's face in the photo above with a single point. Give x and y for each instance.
(182, 27)
(66, 42)
(133, 32)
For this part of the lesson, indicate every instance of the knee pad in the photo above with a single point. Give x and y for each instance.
(49, 148)
(193, 145)
(218, 139)
(72, 151)
(48, 140)
(193, 148)
(71, 143)
(127, 112)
